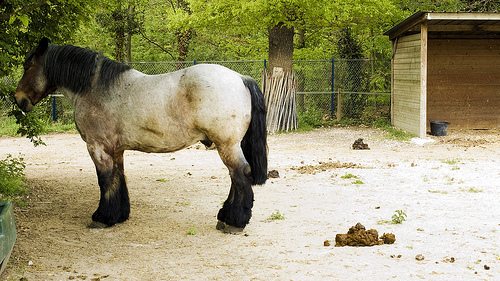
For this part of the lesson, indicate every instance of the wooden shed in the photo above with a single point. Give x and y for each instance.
(446, 66)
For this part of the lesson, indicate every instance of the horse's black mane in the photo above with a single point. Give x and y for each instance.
(75, 68)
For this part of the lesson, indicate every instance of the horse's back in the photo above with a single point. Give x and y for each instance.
(218, 99)
(171, 111)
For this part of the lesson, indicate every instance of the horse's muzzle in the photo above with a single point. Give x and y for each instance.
(23, 101)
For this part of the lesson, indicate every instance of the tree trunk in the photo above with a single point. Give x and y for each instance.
(119, 45)
(119, 31)
(280, 48)
(280, 84)
(183, 36)
(128, 41)
(183, 40)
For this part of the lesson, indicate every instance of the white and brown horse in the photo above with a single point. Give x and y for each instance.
(118, 108)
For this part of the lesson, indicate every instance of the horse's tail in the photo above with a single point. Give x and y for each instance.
(254, 143)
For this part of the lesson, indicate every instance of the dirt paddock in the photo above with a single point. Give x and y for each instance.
(449, 190)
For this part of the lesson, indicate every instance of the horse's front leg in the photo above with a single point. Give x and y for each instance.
(114, 204)
(237, 209)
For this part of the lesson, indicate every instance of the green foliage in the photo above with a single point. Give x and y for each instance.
(276, 215)
(391, 132)
(309, 119)
(29, 125)
(399, 217)
(349, 176)
(472, 190)
(23, 23)
(11, 177)
(191, 231)
(452, 161)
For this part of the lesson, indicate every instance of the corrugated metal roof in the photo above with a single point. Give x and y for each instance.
(449, 24)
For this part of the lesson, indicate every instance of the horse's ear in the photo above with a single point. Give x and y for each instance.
(42, 46)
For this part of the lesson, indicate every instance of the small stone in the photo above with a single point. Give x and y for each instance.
(419, 257)
(30, 263)
(326, 243)
(273, 174)
(486, 267)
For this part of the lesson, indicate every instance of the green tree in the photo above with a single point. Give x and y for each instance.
(22, 24)
(121, 19)
(481, 5)
(352, 75)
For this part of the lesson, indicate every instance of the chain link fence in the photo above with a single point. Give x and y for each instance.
(358, 90)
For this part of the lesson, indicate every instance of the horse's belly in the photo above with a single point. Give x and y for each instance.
(147, 140)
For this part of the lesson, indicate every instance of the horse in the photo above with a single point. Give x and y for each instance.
(118, 108)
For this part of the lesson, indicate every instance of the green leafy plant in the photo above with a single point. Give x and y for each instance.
(276, 215)
(191, 231)
(399, 217)
(472, 190)
(12, 177)
(451, 161)
(349, 176)
(358, 182)
(392, 132)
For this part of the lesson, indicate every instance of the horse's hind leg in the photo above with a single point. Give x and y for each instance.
(114, 205)
(237, 209)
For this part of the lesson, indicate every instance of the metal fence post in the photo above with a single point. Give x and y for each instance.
(53, 109)
(265, 65)
(332, 104)
(194, 62)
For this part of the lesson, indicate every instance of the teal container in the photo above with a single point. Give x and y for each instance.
(7, 233)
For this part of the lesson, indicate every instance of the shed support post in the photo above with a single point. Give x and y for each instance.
(423, 80)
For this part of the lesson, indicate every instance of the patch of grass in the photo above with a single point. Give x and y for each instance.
(309, 119)
(275, 216)
(8, 126)
(192, 231)
(182, 203)
(398, 217)
(349, 176)
(60, 127)
(12, 178)
(451, 161)
(392, 132)
(437, 191)
(162, 180)
(472, 190)
(358, 182)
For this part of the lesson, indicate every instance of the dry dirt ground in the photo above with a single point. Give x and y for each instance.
(449, 190)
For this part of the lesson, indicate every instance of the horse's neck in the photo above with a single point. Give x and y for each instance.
(96, 93)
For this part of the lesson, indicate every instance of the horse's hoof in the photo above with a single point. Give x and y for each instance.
(226, 228)
(220, 226)
(98, 225)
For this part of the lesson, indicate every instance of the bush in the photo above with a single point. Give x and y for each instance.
(11, 177)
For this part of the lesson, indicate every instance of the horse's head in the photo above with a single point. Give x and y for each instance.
(33, 86)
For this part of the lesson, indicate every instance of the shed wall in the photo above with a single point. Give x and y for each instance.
(406, 87)
(463, 82)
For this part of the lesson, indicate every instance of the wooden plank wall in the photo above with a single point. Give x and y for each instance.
(406, 87)
(463, 85)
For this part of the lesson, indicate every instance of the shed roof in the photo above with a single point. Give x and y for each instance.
(451, 25)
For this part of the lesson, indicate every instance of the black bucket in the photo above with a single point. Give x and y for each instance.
(438, 128)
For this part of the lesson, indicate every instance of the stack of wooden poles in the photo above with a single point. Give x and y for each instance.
(279, 93)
